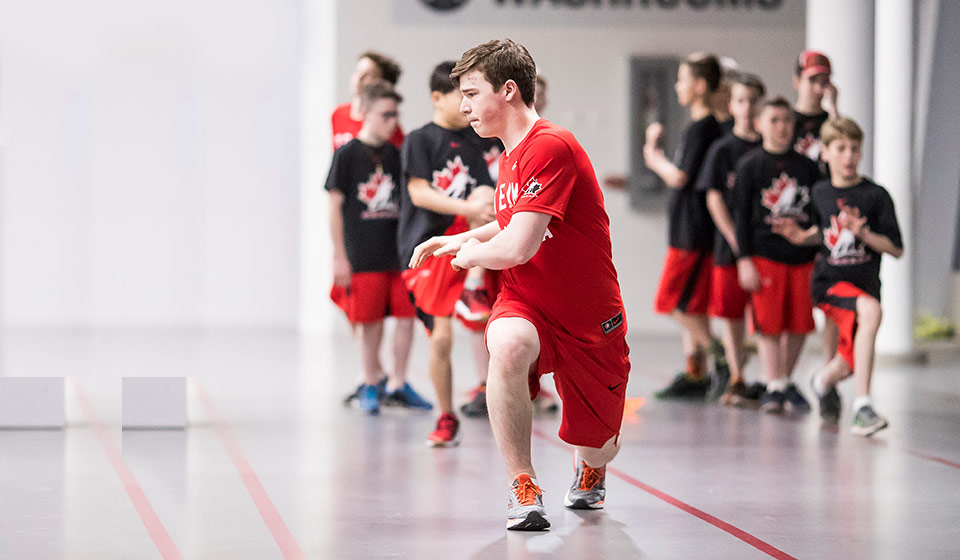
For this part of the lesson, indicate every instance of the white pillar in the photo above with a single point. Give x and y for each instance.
(844, 32)
(893, 140)
(318, 100)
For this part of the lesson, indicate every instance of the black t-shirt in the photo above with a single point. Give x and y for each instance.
(492, 148)
(768, 186)
(806, 133)
(718, 174)
(843, 257)
(689, 223)
(451, 161)
(727, 126)
(368, 177)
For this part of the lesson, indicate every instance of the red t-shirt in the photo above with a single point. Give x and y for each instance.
(346, 129)
(571, 280)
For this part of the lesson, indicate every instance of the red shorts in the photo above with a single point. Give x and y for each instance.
(685, 282)
(372, 296)
(783, 302)
(591, 380)
(840, 306)
(727, 299)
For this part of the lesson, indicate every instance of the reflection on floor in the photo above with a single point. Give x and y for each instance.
(278, 468)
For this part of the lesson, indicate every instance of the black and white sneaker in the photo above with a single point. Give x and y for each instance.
(829, 403)
(795, 401)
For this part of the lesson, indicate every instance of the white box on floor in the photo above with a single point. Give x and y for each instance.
(154, 403)
(32, 402)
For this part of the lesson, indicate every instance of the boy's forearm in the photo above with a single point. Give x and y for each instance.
(426, 197)
(880, 243)
(666, 170)
(722, 219)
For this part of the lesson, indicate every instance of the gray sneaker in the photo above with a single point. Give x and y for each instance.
(588, 490)
(867, 422)
(525, 506)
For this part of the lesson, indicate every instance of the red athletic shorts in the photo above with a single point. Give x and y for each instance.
(591, 380)
(685, 282)
(840, 306)
(435, 286)
(727, 299)
(372, 296)
(783, 302)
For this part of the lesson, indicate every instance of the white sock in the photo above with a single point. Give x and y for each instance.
(818, 384)
(777, 385)
(473, 283)
(861, 402)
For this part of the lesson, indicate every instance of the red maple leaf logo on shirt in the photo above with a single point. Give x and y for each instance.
(377, 192)
(454, 179)
(784, 197)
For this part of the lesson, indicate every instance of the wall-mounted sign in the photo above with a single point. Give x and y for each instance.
(725, 13)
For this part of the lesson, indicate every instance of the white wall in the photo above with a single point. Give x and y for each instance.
(152, 163)
(588, 71)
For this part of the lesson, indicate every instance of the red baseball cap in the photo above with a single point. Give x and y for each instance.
(812, 63)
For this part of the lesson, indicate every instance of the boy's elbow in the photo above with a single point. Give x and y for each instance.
(897, 253)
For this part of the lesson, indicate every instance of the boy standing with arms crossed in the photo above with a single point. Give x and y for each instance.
(772, 183)
(856, 224)
(363, 224)
(559, 309)
(684, 288)
(446, 188)
(728, 301)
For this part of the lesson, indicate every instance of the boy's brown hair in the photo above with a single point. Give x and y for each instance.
(381, 89)
(842, 127)
(498, 61)
(751, 81)
(389, 69)
(778, 102)
(706, 66)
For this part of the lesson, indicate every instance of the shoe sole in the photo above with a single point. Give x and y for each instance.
(532, 522)
(451, 443)
(464, 311)
(581, 504)
(870, 430)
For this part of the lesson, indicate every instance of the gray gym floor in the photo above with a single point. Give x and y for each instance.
(274, 466)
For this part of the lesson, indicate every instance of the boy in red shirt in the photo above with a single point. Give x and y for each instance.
(856, 224)
(559, 308)
(363, 224)
(347, 118)
(684, 289)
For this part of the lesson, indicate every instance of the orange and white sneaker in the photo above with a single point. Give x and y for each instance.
(474, 305)
(588, 490)
(525, 506)
(446, 433)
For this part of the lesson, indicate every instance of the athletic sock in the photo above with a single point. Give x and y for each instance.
(818, 385)
(861, 402)
(473, 283)
(777, 385)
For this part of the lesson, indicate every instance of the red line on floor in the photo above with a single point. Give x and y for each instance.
(161, 538)
(744, 536)
(915, 453)
(271, 517)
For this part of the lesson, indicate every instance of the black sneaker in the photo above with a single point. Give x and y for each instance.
(682, 387)
(829, 403)
(755, 392)
(867, 422)
(718, 383)
(772, 402)
(476, 407)
(796, 402)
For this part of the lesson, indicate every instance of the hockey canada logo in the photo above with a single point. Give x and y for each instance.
(377, 194)
(808, 145)
(455, 179)
(843, 245)
(492, 157)
(785, 199)
(532, 189)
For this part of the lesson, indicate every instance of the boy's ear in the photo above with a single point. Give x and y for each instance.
(435, 96)
(510, 89)
(796, 82)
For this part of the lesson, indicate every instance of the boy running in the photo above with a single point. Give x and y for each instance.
(856, 225)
